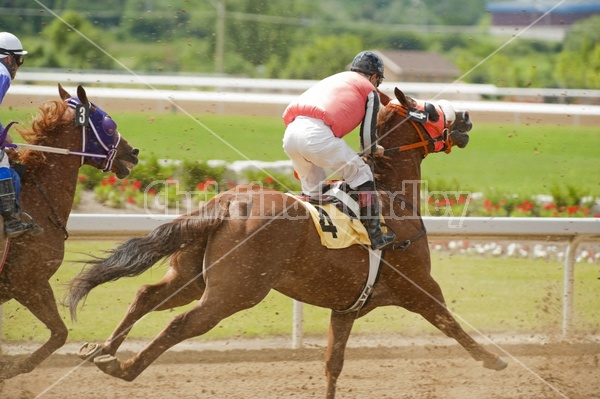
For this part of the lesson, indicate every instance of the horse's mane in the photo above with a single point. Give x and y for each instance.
(386, 114)
(51, 117)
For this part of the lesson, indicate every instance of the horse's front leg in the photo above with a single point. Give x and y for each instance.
(443, 320)
(340, 326)
(42, 304)
(433, 308)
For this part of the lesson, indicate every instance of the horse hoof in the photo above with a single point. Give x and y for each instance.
(108, 364)
(89, 351)
(496, 364)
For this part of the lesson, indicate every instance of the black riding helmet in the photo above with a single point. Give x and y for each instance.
(368, 62)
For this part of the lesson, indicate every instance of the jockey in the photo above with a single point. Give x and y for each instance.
(317, 121)
(11, 58)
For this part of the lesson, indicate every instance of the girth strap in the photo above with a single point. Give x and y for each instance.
(374, 268)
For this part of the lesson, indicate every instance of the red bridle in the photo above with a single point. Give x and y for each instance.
(436, 135)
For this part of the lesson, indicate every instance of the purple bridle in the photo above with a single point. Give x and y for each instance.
(103, 143)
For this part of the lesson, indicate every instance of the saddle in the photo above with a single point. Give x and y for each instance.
(335, 214)
(339, 194)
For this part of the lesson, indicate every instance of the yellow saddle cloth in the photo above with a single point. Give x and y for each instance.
(336, 229)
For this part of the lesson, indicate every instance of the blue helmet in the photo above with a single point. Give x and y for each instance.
(368, 62)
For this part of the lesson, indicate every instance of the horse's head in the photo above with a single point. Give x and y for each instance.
(104, 147)
(438, 125)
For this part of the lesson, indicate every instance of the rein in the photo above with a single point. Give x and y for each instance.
(56, 221)
(406, 243)
(5, 255)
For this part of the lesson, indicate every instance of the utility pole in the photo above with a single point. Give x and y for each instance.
(220, 39)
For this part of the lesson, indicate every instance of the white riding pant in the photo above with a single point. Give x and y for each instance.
(4, 161)
(312, 147)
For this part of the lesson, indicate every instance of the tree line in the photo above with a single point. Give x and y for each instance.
(295, 39)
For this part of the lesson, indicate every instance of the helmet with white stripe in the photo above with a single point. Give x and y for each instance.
(10, 44)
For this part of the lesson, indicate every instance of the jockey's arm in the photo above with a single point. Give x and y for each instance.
(368, 127)
(12, 153)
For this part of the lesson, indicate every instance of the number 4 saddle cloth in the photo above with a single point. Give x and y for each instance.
(336, 229)
(335, 219)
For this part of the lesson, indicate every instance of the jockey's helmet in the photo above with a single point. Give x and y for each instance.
(368, 62)
(10, 44)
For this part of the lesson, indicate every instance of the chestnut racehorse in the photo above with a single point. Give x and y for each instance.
(247, 241)
(48, 190)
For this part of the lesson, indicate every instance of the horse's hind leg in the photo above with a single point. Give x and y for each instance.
(172, 291)
(207, 314)
(434, 310)
(340, 326)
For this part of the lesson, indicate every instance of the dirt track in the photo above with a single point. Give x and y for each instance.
(417, 372)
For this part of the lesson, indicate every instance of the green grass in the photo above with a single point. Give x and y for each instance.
(494, 295)
(205, 137)
(524, 159)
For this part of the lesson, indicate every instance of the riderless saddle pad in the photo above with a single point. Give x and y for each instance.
(336, 229)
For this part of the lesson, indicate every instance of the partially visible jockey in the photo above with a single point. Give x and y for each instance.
(11, 58)
(316, 122)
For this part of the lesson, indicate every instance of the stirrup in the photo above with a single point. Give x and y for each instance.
(386, 241)
(36, 229)
(14, 227)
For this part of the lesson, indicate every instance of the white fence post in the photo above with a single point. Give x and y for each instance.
(298, 320)
(569, 283)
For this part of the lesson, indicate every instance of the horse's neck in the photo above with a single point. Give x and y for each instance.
(404, 180)
(52, 184)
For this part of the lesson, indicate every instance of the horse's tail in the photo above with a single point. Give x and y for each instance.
(136, 255)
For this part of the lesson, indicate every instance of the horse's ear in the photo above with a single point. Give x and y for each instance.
(384, 98)
(402, 98)
(63, 93)
(81, 94)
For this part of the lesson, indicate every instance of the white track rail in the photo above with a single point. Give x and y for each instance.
(185, 91)
(572, 231)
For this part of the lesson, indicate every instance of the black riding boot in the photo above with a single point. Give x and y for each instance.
(13, 226)
(369, 216)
